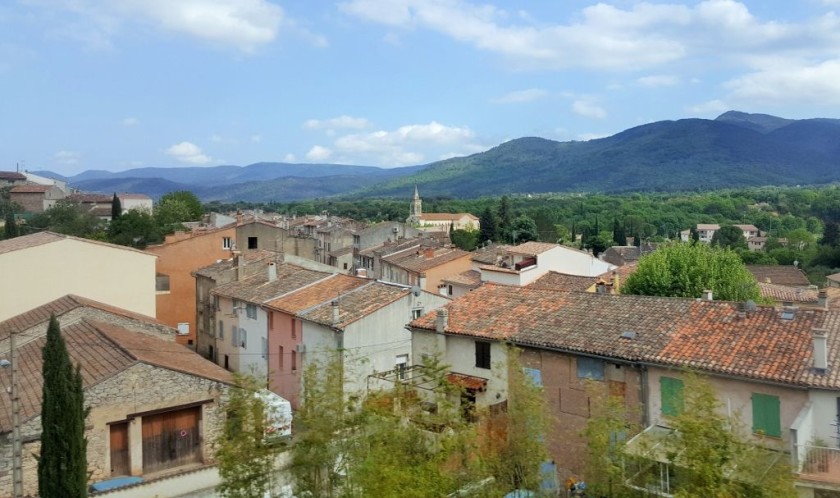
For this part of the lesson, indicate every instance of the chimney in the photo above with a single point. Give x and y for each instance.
(707, 295)
(820, 349)
(442, 320)
(742, 310)
(822, 298)
(616, 287)
(421, 280)
(336, 312)
(272, 271)
(238, 265)
(428, 252)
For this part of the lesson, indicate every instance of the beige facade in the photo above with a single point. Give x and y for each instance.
(41, 267)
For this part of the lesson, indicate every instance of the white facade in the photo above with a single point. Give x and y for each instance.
(243, 342)
(56, 265)
(559, 258)
(138, 202)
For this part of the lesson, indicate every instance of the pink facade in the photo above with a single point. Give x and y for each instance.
(284, 360)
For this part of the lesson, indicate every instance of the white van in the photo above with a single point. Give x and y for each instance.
(278, 414)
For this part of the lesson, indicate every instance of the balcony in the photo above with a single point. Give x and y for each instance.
(818, 464)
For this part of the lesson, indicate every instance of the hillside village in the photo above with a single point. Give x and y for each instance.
(158, 334)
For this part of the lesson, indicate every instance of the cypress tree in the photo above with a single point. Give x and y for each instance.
(62, 466)
(116, 207)
(487, 220)
(619, 237)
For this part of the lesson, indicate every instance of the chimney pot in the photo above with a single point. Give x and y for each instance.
(822, 298)
(442, 320)
(272, 271)
(336, 312)
(707, 295)
(820, 339)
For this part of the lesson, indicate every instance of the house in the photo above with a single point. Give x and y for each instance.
(178, 256)
(376, 235)
(140, 202)
(43, 180)
(423, 266)
(155, 406)
(705, 231)
(787, 275)
(833, 280)
(35, 198)
(773, 368)
(370, 258)
(439, 222)
(525, 263)
(750, 231)
(99, 205)
(621, 255)
(11, 178)
(243, 324)
(258, 233)
(44, 266)
(360, 319)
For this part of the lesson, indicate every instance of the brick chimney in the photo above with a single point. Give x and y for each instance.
(442, 320)
(428, 252)
(272, 271)
(820, 339)
(822, 298)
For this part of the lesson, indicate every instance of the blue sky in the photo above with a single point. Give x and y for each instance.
(117, 84)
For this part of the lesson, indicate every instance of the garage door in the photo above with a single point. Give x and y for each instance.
(171, 439)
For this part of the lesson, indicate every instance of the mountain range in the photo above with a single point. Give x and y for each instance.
(734, 150)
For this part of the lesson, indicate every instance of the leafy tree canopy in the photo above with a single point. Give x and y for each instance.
(686, 270)
(192, 205)
(729, 236)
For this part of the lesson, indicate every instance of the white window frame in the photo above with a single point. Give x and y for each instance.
(227, 243)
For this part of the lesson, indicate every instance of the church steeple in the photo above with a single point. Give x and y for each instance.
(415, 211)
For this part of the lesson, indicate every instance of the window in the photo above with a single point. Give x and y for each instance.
(671, 396)
(535, 375)
(401, 366)
(221, 330)
(449, 289)
(766, 415)
(234, 336)
(243, 338)
(345, 266)
(251, 311)
(227, 243)
(482, 354)
(264, 344)
(416, 313)
(294, 361)
(294, 331)
(280, 362)
(216, 303)
(252, 243)
(184, 328)
(590, 368)
(161, 283)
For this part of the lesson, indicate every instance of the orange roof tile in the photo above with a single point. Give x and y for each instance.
(318, 293)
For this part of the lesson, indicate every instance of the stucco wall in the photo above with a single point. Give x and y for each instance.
(138, 389)
(281, 378)
(111, 275)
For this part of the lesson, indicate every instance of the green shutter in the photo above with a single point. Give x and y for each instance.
(767, 415)
(671, 394)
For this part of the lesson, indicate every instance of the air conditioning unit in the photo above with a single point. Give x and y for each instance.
(184, 328)
(300, 348)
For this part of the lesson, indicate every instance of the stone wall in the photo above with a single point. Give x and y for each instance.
(140, 388)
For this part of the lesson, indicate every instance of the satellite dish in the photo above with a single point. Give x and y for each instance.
(750, 305)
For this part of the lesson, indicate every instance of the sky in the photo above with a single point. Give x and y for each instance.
(121, 84)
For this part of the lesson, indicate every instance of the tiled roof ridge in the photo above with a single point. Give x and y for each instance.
(294, 291)
(194, 234)
(338, 298)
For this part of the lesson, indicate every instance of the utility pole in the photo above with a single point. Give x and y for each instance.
(17, 464)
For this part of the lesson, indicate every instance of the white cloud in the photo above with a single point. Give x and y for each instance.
(658, 80)
(337, 123)
(241, 24)
(130, 121)
(791, 83)
(289, 158)
(256, 138)
(409, 144)
(608, 37)
(318, 153)
(67, 157)
(709, 107)
(588, 109)
(189, 153)
(521, 96)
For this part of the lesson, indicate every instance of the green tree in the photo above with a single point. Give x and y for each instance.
(487, 220)
(605, 432)
(10, 231)
(135, 229)
(62, 464)
(523, 229)
(69, 218)
(685, 270)
(729, 236)
(466, 239)
(619, 237)
(116, 207)
(831, 234)
(245, 459)
(194, 209)
(504, 217)
(800, 239)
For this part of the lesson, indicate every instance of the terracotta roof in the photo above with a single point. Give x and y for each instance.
(467, 381)
(257, 288)
(532, 248)
(784, 293)
(619, 255)
(419, 262)
(470, 278)
(489, 254)
(101, 351)
(62, 305)
(779, 275)
(323, 291)
(139, 197)
(834, 277)
(446, 216)
(12, 175)
(341, 252)
(356, 304)
(747, 228)
(215, 270)
(30, 189)
(686, 333)
(708, 226)
(45, 237)
(90, 198)
(561, 281)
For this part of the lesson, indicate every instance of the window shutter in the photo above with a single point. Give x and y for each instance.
(234, 335)
(671, 396)
(767, 415)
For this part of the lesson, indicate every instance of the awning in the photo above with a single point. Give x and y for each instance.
(467, 381)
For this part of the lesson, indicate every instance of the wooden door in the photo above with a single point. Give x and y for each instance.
(120, 463)
(171, 439)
